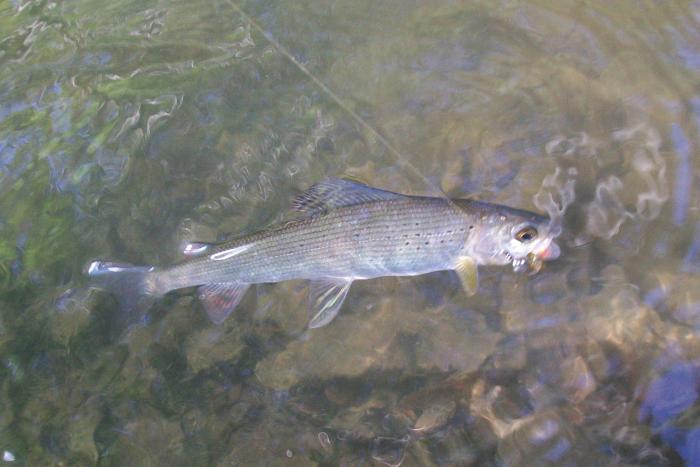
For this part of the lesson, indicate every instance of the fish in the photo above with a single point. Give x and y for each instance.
(346, 231)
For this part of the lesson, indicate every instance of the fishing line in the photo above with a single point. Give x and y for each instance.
(400, 159)
(403, 161)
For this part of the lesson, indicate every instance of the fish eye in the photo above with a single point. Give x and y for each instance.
(526, 234)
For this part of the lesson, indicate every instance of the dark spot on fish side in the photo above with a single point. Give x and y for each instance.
(471, 227)
(417, 235)
(427, 243)
(442, 241)
(407, 243)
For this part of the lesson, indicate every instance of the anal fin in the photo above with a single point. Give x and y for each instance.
(220, 299)
(325, 299)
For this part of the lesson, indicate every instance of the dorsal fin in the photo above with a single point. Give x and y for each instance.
(333, 193)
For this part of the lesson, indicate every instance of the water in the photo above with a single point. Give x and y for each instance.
(129, 128)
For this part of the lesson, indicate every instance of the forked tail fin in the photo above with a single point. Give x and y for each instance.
(132, 285)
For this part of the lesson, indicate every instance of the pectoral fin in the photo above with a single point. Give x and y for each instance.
(467, 271)
(219, 300)
(325, 299)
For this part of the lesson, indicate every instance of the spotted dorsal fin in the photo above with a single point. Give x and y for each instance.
(333, 193)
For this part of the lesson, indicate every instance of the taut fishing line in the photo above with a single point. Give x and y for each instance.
(402, 160)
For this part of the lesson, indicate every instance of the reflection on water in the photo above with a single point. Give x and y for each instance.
(129, 129)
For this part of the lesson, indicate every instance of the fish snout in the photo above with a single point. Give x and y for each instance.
(549, 252)
(536, 258)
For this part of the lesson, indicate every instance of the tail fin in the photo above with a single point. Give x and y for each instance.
(132, 285)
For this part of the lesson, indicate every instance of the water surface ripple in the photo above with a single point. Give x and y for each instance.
(129, 128)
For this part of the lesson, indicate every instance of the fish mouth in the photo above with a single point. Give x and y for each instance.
(532, 263)
(549, 252)
(536, 259)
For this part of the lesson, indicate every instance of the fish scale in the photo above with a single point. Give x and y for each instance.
(346, 242)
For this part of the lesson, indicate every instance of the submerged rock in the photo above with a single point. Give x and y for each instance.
(388, 337)
(147, 437)
(210, 345)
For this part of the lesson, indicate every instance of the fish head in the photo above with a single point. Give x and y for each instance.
(530, 244)
(505, 235)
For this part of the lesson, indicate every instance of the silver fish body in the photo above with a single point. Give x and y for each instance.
(349, 231)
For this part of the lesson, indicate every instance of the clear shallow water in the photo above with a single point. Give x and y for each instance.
(128, 128)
